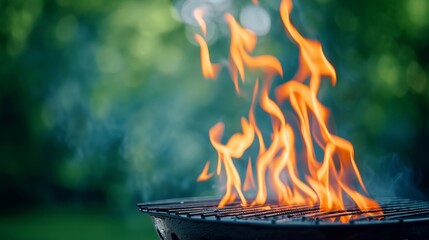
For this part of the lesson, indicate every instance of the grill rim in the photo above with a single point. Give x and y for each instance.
(296, 224)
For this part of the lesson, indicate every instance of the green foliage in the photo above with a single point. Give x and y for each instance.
(52, 224)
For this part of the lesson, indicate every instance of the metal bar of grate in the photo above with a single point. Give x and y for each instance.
(392, 209)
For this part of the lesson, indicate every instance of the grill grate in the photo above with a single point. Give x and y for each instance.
(394, 210)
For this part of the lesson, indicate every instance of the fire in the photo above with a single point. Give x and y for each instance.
(294, 178)
(198, 14)
(243, 42)
(205, 175)
(249, 182)
(209, 70)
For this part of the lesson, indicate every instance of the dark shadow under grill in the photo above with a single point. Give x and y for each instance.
(200, 218)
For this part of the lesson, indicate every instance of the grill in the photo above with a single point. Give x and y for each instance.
(200, 219)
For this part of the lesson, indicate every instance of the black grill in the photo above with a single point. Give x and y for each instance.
(200, 218)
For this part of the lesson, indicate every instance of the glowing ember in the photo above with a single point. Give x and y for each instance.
(326, 182)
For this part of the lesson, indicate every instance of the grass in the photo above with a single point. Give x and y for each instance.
(65, 224)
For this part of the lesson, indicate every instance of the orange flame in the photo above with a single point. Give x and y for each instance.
(243, 42)
(205, 175)
(209, 70)
(305, 179)
(198, 15)
(249, 182)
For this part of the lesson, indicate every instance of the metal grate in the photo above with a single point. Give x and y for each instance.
(394, 209)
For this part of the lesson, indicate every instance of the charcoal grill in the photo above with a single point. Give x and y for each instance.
(201, 219)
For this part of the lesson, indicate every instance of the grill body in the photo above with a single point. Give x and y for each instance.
(200, 219)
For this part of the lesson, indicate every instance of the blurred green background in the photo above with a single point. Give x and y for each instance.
(102, 105)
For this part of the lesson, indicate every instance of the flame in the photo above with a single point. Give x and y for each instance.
(205, 175)
(209, 69)
(234, 148)
(198, 15)
(292, 177)
(249, 182)
(243, 42)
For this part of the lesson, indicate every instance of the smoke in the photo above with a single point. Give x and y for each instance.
(390, 177)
